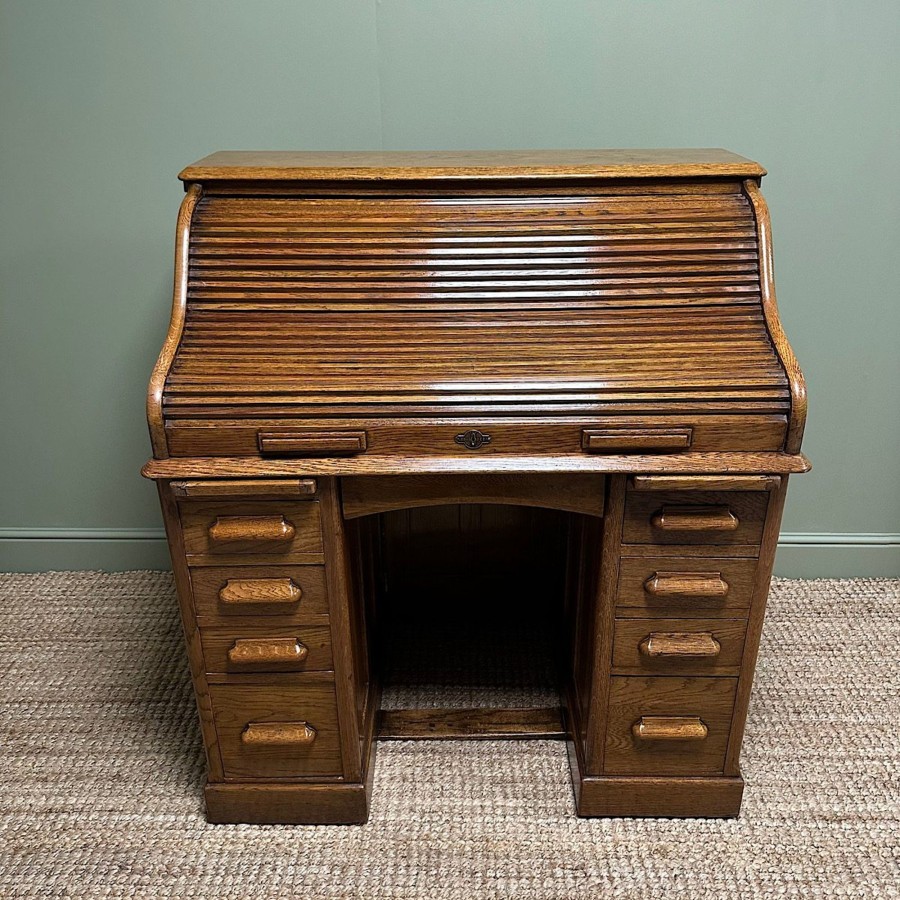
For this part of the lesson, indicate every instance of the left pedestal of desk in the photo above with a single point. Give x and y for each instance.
(272, 599)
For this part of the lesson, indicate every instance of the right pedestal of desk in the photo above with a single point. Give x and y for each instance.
(665, 625)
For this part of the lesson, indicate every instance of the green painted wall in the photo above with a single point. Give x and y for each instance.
(101, 104)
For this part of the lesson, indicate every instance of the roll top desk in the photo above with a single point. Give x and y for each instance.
(592, 335)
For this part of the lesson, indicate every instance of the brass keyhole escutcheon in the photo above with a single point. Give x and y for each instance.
(473, 439)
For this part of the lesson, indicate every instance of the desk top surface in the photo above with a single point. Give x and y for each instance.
(294, 165)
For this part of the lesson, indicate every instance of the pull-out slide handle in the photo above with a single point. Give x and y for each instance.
(275, 734)
(276, 651)
(669, 728)
(629, 440)
(238, 591)
(276, 488)
(683, 585)
(250, 529)
(680, 644)
(702, 519)
(311, 443)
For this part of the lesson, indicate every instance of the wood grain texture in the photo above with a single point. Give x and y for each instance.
(711, 700)
(278, 734)
(355, 337)
(260, 532)
(260, 591)
(669, 728)
(258, 488)
(773, 321)
(187, 611)
(682, 463)
(603, 606)
(704, 482)
(573, 493)
(685, 586)
(759, 598)
(155, 417)
(286, 804)
(265, 646)
(289, 165)
(266, 651)
(310, 306)
(289, 442)
(629, 440)
(466, 724)
(689, 517)
(659, 797)
(411, 438)
(350, 675)
(251, 530)
(291, 698)
(678, 646)
(695, 519)
(294, 594)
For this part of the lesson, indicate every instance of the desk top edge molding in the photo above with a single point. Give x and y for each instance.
(674, 464)
(251, 165)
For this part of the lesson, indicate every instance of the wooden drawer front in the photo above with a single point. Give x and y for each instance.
(668, 725)
(257, 531)
(685, 586)
(678, 646)
(263, 648)
(286, 729)
(293, 593)
(570, 436)
(695, 517)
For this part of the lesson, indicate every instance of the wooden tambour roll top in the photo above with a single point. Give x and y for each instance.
(566, 304)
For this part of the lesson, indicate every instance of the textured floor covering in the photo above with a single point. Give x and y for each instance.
(101, 770)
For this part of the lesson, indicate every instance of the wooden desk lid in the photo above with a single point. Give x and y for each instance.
(469, 298)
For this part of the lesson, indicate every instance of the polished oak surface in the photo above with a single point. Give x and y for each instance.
(303, 307)
(537, 396)
(285, 165)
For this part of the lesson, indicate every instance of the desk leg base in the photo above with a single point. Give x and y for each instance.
(623, 796)
(287, 804)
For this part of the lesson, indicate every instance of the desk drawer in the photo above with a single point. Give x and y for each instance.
(264, 648)
(678, 646)
(463, 436)
(292, 593)
(685, 586)
(255, 532)
(283, 729)
(668, 725)
(695, 517)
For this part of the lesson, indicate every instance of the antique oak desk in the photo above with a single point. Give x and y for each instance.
(588, 340)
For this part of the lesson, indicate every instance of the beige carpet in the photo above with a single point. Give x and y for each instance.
(100, 775)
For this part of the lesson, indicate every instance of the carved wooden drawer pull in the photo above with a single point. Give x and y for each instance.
(669, 728)
(681, 585)
(272, 734)
(695, 518)
(267, 650)
(265, 529)
(260, 590)
(311, 443)
(681, 644)
(627, 440)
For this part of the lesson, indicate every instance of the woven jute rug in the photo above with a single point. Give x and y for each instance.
(101, 773)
